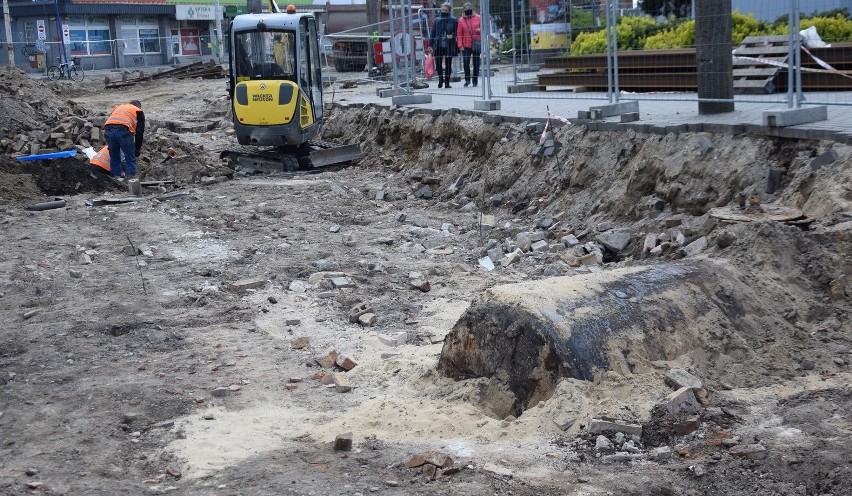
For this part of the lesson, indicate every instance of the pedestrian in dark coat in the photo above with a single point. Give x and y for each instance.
(443, 44)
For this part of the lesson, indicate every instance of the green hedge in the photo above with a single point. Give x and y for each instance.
(637, 33)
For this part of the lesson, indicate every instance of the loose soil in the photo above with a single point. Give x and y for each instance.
(152, 346)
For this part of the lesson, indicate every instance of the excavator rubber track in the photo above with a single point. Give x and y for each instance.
(312, 157)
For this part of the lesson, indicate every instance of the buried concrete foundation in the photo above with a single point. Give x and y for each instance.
(528, 337)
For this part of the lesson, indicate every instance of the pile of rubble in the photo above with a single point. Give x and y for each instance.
(36, 121)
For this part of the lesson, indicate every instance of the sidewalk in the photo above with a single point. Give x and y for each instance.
(659, 113)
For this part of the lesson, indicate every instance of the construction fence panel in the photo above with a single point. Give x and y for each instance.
(115, 54)
(558, 49)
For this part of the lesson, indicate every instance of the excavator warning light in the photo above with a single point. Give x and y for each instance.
(291, 9)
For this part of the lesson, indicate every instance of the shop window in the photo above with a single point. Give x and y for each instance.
(140, 34)
(89, 35)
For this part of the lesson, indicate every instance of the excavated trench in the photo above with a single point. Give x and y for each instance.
(530, 336)
(736, 310)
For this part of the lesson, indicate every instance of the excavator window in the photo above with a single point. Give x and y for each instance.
(266, 55)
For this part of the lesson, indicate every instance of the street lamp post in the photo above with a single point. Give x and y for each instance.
(218, 32)
(61, 37)
(8, 22)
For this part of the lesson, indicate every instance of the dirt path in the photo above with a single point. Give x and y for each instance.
(170, 344)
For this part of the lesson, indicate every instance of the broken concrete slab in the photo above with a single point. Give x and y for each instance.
(246, 284)
(600, 425)
(341, 382)
(614, 240)
(533, 334)
(680, 378)
(343, 442)
(682, 401)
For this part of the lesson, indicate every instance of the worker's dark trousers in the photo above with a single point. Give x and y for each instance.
(120, 142)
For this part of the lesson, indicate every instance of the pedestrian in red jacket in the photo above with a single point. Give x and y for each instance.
(469, 38)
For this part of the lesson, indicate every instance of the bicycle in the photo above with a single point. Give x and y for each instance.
(63, 71)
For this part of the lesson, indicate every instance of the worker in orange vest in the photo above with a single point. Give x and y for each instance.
(124, 131)
(101, 160)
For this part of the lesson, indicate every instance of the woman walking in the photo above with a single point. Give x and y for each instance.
(443, 44)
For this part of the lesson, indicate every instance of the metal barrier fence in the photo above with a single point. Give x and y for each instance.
(117, 53)
(607, 50)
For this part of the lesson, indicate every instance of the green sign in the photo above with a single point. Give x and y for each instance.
(235, 10)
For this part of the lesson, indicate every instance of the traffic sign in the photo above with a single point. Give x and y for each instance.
(42, 35)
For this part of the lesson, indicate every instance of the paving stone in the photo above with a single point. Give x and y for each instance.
(246, 284)
(297, 287)
(522, 242)
(342, 282)
(341, 382)
(424, 192)
(650, 242)
(686, 426)
(680, 378)
(512, 258)
(540, 246)
(327, 360)
(599, 425)
(368, 319)
(343, 442)
(221, 392)
(749, 451)
(570, 240)
(615, 240)
(420, 284)
(346, 363)
(695, 247)
(682, 401)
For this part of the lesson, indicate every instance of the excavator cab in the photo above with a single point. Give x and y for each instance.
(275, 79)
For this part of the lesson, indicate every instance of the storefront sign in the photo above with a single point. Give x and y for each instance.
(195, 12)
(235, 10)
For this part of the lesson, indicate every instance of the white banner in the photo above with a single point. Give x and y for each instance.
(195, 12)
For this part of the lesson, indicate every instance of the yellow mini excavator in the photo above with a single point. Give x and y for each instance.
(276, 93)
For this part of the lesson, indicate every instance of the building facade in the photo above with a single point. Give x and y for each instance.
(130, 34)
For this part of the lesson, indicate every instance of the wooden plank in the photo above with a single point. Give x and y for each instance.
(750, 83)
(752, 40)
(769, 50)
(751, 72)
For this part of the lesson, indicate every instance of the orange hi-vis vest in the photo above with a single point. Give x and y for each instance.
(101, 159)
(125, 115)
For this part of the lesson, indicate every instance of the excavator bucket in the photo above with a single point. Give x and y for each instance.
(323, 157)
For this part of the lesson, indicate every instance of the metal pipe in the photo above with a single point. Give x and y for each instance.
(800, 97)
(485, 51)
(616, 89)
(608, 55)
(49, 205)
(791, 56)
(514, 48)
(61, 38)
